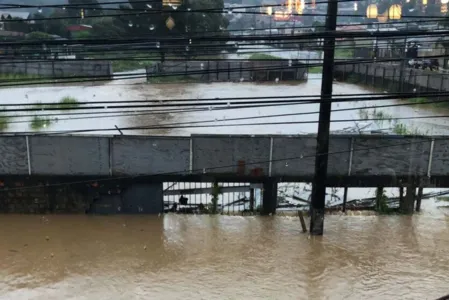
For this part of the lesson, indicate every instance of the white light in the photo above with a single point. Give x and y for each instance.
(444, 1)
(356, 8)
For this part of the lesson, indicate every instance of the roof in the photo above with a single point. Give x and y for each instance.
(14, 14)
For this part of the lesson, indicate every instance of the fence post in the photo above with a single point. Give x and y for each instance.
(217, 62)
(229, 70)
(366, 74)
(53, 69)
(240, 70)
(208, 70)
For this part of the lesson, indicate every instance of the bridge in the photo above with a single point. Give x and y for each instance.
(40, 173)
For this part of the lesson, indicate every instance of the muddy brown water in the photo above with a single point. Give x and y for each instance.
(223, 257)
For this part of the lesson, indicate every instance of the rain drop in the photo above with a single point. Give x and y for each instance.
(229, 11)
(204, 171)
(174, 7)
(241, 79)
(39, 10)
(229, 104)
(158, 45)
(151, 27)
(276, 80)
(189, 9)
(210, 108)
(190, 41)
(202, 66)
(216, 119)
(286, 164)
(221, 27)
(130, 24)
(252, 28)
(301, 156)
(236, 45)
(63, 8)
(149, 6)
(187, 48)
(204, 15)
(290, 63)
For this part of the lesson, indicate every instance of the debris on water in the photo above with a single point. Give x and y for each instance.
(51, 255)
(144, 247)
(47, 238)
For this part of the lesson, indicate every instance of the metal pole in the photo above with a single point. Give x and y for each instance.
(319, 182)
(403, 62)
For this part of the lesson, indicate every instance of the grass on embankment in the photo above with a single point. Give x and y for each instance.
(130, 65)
(38, 123)
(65, 103)
(4, 120)
(8, 80)
(316, 70)
(385, 120)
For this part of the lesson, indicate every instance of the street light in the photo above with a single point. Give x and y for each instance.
(371, 11)
(395, 12)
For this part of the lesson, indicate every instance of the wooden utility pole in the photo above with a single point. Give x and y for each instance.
(322, 148)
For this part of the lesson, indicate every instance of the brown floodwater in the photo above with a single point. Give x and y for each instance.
(222, 257)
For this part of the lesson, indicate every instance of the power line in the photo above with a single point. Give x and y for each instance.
(151, 112)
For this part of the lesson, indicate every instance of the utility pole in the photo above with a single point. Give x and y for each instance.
(322, 147)
(403, 62)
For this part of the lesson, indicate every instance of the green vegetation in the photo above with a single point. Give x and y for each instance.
(68, 102)
(314, 70)
(65, 103)
(216, 191)
(17, 78)
(344, 52)
(4, 120)
(38, 123)
(383, 207)
(383, 119)
(130, 65)
(263, 56)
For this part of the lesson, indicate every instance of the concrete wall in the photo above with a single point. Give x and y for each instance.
(232, 70)
(423, 79)
(53, 194)
(220, 154)
(57, 68)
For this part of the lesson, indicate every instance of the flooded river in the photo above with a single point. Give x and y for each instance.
(220, 257)
(133, 89)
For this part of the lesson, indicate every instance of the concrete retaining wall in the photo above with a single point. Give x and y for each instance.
(382, 75)
(220, 154)
(57, 68)
(232, 70)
